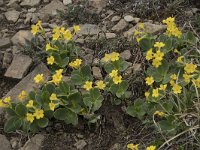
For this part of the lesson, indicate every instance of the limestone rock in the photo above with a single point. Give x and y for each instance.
(89, 29)
(121, 25)
(30, 3)
(80, 144)
(67, 2)
(97, 72)
(4, 42)
(98, 4)
(20, 36)
(5, 144)
(1, 2)
(12, 15)
(110, 35)
(35, 143)
(154, 28)
(128, 18)
(7, 59)
(115, 18)
(19, 66)
(125, 55)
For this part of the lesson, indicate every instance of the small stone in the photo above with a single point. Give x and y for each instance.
(28, 18)
(32, 10)
(128, 18)
(80, 144)
(110, 35)
(136, 20)
(89, 29)
(4, 42)
(121, 25)
(154, 28)
(1, 2)
(67, 2)
(129, 34)
(116, 146)
(35, 143)
(98, 4)
(88, 59)
(15, 143)
(11, 2)
(115, 18)
(133, 69)
(7, 59)
(5, 144)
(125, 55)
(96, 62)
(12, 15)
(20, 36)
(97, 72)
(30, 3)
(13, 71)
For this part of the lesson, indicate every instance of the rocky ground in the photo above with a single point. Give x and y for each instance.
(106, 25)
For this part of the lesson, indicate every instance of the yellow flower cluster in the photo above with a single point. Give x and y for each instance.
(61, 33)
(5, 102)
(172, 29)
(38, 114)
(159, 113)
(99, 84)
(114, 56)
(57, 77)
(139, 32)
(117, 79)
(132, 146)
(75, 64)
(39, 78)
(22, 95)
(36, 28)
(53, 98)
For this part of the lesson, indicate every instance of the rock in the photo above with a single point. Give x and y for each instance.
(32, 10)
(125, 55)
(98, 4)
(7, 59)
(27, 83)
(12, 15)
(19, 61)
(121, 25)
(51, 8)
(133, 69)
(116, 146)
(20, 36)
(154, 28)
(128, 18)
(80, 144)
(136, 20)
(30, 3)
(89, 29)
(67, 2)
(110, 35)
(1, 2)
(11, 2)
(115, 18)
(88, 59)
(96, 62)
(35, 143)
(97, 72)
(129, 34)
(28, 18)
(5, 144)
(4, 42)
(15, 143)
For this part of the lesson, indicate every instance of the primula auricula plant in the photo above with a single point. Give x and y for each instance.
(80, 95)
(173, 79)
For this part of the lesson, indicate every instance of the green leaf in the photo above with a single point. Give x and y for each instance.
(163, 68)
(61, 113)
(50, 87)
(65, 62)
(145, 44)
(32, 95)
(166, 125)
(71, 117)
(43, 122)
(190, 37)
(10, 112)
(21, 110)
(168, 45)
(12, 124)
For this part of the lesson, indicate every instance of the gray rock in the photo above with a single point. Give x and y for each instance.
(1, 2)
(96, 62)
(129, 34)
(51, 8)
(15, 143)
(7, 59)
(67, 2)
(136, 20)
(88, 59)
(80, 144)
(5, 144)
(27, 83)
(12, 15)
(116, 146)
(115, 18)
(19, 66)
(28, 18)
(128, 18)
(35, 143)
(121, 25)
(4, 42)
(125, 55)
(12, 2)
(98, 4)
(30, 3)
(20, 36)
(32, 10)
(110, 35)
(133, 69)
(154, 28)
(89, 29)
(97, 72)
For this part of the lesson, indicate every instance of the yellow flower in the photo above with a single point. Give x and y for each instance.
(156, 63)
(39, 23)
(50, 60)
(117, 79)
(146, 94)
(172, 82)
(34, 29)
(159, 45)
(190, 68)
(155, 93)
(56, 36)
(152, 147)
(5, 102)
(52, 106)
(169, 20)
(22, 95)
(39, 113)
(48, 47)
(177, 89)
(39, 78)
(30, 117)
(2, 104)
(88, 85)
(67, 35)
(106, 58)
(30, 104)
(180, 59)
(176, 51)
(186, 77)
(159, 113)
(149, 80)
(132, 146)
(57, 77)
(113, 73)
(53, 97)
(173, 76)
(158, 55)
(75, 64)
(141, 25)
(7, 99)
(149, 54)
(114, 56)
(196, 82)
(56, 29)
(76, 28)
(163, 87)
(100, 85)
